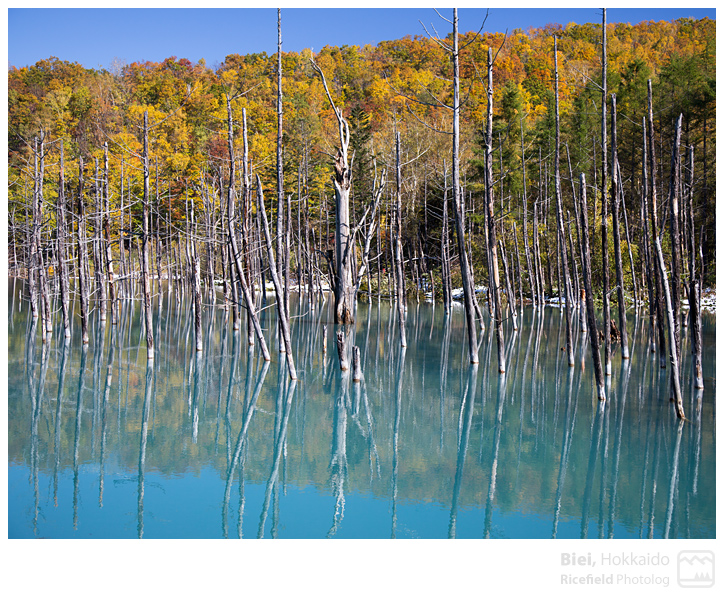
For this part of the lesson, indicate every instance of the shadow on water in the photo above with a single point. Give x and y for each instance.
(423, 446)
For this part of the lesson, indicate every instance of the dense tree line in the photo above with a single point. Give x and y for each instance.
(170, 162)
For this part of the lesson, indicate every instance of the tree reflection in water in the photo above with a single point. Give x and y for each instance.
(375, 457)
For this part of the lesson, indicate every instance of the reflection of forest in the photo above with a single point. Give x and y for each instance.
(420, 427)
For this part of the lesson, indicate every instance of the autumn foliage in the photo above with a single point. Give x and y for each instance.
(401, 84)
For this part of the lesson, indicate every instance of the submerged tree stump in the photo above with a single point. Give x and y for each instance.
(343, 363)
(356, 365)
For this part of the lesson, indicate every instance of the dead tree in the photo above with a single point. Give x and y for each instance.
(233, 245)
(107, 232)
(470, 302)
(247, 258)
(494, 275)
(653, 209)
(586, 262)
(508, 285)
(695, 315)
(673, 201)
(397, 243)
(673, 353)
(604, 207)
(145, 269)
(445, 250)
(694, 284)
(282, 252)
(532, 281)
(579, 291)
(61, 235)
(356, 366)
(98, 267)
(343, 281)
(195, 276)
(518, 267)
(649, 269)
(616, 192)
(278, 289)
(35, 243)
(628, 238)
(538, 264)
(341, 351)
(82, 257)
(559, 213)
(378, 188)
(43, 285)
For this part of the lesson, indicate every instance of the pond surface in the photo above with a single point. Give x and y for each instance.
(220, 444)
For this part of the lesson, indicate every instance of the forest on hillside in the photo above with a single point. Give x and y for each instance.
(171, 161)
(508, 239)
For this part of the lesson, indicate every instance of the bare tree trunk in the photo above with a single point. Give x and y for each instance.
(586, 262)
(616, 192)
(197, 301)
(251, 313)
(35, 244)
(169, 251)
(247, 257)
(575, 290)
(107, 230)
(378, 190)
(122, 233)
(341, 351)
(445, 249)
(546, 231)
(195, 276)
(356, 367)
(397, 244)
(62, 232)
(604, 208)
(628, 242)
(653, 209)
(287, 254)
(673, 353)
(43, 287)
(650, 270)
(538, 266)
(494, 286)
(145, 270)
(280, 236)
(517, 262)
(580, 292)
(508, 285)
(47, 324)
(675, 237)
(98, 245)
(82, 257)
(157, 229)
(42, 270)
(695, 288)
(531, 273)
(695, 315)
(391, 254)
(559, 212)
(278, 290)
(344, 296)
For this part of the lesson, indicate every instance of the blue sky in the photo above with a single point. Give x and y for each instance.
(94, 37)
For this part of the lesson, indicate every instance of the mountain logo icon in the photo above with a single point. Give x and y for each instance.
(696, 569)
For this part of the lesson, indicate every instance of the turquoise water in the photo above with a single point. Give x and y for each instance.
(219, 445)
